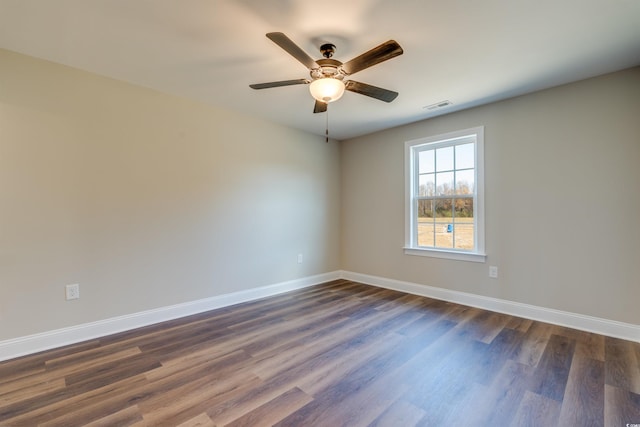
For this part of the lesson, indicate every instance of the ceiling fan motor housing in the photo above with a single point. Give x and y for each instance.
(328, 68)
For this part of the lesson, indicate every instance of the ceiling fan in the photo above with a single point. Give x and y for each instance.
(327, 83)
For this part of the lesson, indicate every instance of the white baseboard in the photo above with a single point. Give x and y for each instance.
(30, 344)
(10, 349)
(598, 325)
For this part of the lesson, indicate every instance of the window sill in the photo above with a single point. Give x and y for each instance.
(439, 253)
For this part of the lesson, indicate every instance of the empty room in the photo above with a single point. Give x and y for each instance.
(293, 213)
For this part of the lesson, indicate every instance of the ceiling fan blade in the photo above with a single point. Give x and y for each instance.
(278, 84)
(320, 107)
(372, 91)
(292, 49)
(384, 52)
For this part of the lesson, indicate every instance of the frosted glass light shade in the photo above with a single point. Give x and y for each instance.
(326, 89)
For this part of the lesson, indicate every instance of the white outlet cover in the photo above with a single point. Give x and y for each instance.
(72, 291)
(493, 272)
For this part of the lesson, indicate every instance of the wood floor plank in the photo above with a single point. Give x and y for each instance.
(337, 354)
(242, 404)
(275, 410)
(356, 329)
(63, 405)
(19, 368)
(120, 395)
(126, 417)
(92, 356)
(377, 371)
(552, 372)
(499, 403)
(327, 409)
(492, 325)
(446, 377)
(306, 371)
(519, 324)
(113, 371)
(622, 368)
(538, 411)
(201, 420)
(21, 391)
(186, 392)
(328, 369)
(622, 407)
(310, 322)
(584, 393)
(503, 347)
(53, 379)
(536, 338)
(363, 408)
(400, 413)
(93, 362)
(425, 321)
(590, 346)
(195, 397)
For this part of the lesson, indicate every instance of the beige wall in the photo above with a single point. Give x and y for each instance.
(562, 200)
(147, 200)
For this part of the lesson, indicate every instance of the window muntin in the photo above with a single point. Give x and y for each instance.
(444, 194)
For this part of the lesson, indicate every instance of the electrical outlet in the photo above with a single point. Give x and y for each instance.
(72, 291)
(493, 272)
(299, 258)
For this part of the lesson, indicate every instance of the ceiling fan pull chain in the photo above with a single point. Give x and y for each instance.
(326, 132)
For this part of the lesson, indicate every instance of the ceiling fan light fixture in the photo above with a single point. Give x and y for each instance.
(327, 74)
(327, 89)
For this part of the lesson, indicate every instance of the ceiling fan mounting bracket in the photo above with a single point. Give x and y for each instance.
(327, 50)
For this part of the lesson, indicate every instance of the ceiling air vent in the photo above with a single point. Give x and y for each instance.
(438, 105)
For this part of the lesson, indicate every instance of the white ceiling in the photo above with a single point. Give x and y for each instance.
(467, 51)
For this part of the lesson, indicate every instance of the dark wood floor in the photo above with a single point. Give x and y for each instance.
(340, 354)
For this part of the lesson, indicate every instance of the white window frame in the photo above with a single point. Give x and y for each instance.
(411, 181)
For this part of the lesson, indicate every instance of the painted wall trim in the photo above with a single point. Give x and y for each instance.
(10, 349)
(21, 346)
(582, 322)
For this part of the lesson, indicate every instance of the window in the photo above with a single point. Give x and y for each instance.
(444, 196)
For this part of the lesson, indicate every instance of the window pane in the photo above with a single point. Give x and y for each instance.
(464, 226)
(425, 234)
(464, 156)
(464, 207)
(444, 223)
(427, 185)
(464, 235)
(444, 159)
(425, 209)
(425, 223)
(426, 162)
(465, 182)
(444, 183)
